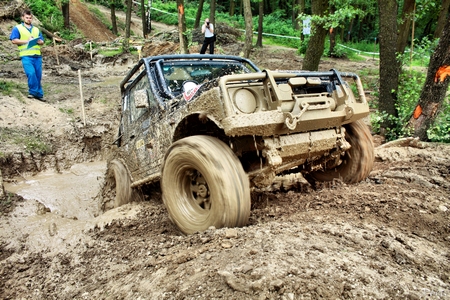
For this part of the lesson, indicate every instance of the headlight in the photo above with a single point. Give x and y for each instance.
(245, 101)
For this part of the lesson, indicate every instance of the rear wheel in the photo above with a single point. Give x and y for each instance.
(203, 184)
(357, 162)
(118, 189)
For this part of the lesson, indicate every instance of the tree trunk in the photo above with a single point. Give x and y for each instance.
(198, 15)
(405, 24)
(65, 13)
(349, 32)
(332, 35)
(149, 16)
(114, 19)
(260, 24)
(301, 9)
(232, 8)
(144, 21)
(317, 40)
(389, 71)
(441, 20)
(212, 13)
(126, 42)
(182, 27)
(435, 88)
(248, 28)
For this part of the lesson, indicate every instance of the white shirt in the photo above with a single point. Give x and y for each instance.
(207, 31)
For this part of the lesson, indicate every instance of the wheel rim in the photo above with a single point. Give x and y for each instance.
(199, 189)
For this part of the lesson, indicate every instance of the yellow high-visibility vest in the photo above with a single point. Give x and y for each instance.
(25, 34)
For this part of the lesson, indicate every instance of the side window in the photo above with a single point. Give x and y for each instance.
(141, 84)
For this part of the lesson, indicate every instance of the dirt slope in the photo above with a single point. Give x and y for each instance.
(387, 237)
(91, 27)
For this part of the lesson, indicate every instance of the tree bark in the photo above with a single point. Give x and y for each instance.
(260, 24)
(114, 19)
(248, 28)
(65, 13)
(182, 27)
(126, 41)
(232, 8)
(435, 88)
(212, 12)
(144, 21)
(441, 20)
(389, 71)
(405, 25)
(198, 15)
(317, 40)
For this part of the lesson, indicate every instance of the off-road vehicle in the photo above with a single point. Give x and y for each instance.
(210, 128)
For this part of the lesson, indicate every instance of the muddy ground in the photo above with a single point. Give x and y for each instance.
(387, 237)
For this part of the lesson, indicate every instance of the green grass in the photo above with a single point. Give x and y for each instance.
(8, 88)
(68, 111)
(31, 141)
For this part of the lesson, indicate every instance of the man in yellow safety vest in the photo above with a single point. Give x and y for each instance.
(29, 40)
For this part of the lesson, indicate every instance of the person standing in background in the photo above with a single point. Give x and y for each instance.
(208, 30)
(30, 54)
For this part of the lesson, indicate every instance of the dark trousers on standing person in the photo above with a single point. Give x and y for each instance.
(208, 41)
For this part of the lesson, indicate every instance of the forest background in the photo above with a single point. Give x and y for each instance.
(405, 35)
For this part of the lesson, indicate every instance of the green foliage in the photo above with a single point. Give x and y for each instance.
(410, 88)
(8, 88)
(51, 17)
(440, 131)
(31, 141)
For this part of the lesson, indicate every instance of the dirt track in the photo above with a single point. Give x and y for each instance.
(387, 237)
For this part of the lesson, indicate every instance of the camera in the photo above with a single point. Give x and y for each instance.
(207, 23)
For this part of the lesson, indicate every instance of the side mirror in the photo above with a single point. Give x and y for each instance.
(141, 98)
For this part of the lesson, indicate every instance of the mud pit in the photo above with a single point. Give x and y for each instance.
(384, 238)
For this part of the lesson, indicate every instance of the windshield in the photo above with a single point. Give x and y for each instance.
(177, 73)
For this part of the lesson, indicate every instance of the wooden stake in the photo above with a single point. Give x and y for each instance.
(56, 51)
(81, 96)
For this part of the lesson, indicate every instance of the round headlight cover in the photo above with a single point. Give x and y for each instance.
(245, 101)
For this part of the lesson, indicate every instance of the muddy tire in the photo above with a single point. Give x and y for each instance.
(357, 162)
(117, 185)
(203, 184)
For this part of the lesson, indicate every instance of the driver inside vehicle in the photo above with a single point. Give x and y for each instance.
(175, 77)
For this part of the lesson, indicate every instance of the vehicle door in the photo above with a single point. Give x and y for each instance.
(140, 110)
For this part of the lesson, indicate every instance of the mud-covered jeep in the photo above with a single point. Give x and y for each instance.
(211, 128)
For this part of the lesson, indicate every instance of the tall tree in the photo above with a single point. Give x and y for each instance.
(232, 8)
(435, 88)
(298, 7)
(182, 27)
(212, 12)
(260, 23)
(389, 71)
(65, 13)
(198, 15)
(317, 40)
(442, 16)
(405, 24)
(144, 20)
(126, 41)
(248, 28)
(112, 5)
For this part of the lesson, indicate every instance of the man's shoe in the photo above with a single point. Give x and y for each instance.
(30, 96)
(40, 99)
